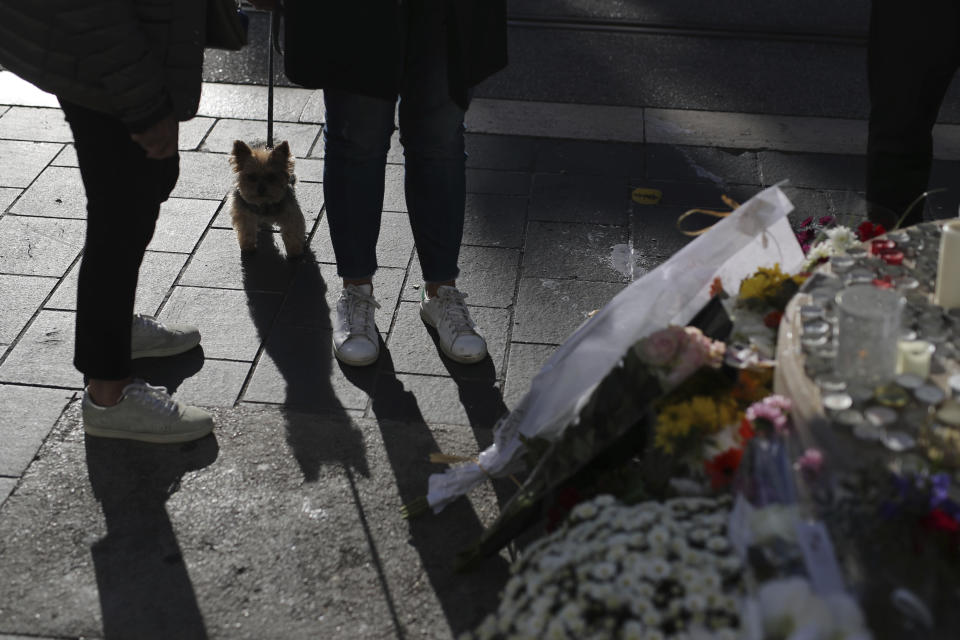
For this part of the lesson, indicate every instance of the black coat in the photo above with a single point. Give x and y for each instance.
(357, 45)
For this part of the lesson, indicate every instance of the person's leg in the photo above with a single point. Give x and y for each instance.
(912, 58)
(124, 191)
(431, 131)
(356, 141)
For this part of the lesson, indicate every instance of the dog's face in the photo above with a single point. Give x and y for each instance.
(263, 176)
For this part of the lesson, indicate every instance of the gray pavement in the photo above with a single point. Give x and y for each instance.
(286, 522)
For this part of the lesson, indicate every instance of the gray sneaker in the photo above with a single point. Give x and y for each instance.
(151, 338)
(355, 338)
(145, 413)
(459, 337)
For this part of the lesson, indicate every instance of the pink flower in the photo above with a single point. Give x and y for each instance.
(771, 412)
(660, 347)
(805, 248)
(811, 460)
(806, 222)
(778, 401)
(825, 220)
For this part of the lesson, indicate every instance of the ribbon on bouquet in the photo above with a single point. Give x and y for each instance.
(727, 200)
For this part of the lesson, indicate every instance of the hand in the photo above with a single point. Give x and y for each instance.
(264, 5)
(160, 140)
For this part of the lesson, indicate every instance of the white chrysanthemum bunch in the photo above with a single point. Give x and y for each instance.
(650, 571)
(839, 239)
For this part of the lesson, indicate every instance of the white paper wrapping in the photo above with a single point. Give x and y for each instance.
(756, 234)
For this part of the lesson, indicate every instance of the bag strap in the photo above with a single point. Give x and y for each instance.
(727, 200)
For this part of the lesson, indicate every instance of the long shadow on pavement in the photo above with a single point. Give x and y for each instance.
(144, 586)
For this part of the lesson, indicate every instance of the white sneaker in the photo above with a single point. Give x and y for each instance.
(151, 338)
(355, 338)
(448, 314)
(145, 413)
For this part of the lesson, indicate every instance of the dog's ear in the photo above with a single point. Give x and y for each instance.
(281, 155)
(241, 153)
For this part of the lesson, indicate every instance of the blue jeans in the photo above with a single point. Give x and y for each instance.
(357, 137)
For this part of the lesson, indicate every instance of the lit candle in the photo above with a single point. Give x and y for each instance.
(880, 245)
(893, 257)
(947, 292)
(913, 356)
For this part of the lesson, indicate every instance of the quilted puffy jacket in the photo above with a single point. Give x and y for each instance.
(138, 60)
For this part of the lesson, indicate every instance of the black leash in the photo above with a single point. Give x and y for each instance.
(274, 44)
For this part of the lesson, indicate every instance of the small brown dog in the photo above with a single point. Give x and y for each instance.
(264, 196)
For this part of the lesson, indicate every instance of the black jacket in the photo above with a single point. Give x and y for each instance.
(357, 45)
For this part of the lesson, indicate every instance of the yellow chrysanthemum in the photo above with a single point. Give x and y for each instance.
(698, 417)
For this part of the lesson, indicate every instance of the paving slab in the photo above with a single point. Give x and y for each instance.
(280, 525)
(575, 198)
(248, 102)
(701, 164)
(503, 153)
(589, 157)
(523, 365)
(585, 251)
(158, 272)
(21, 161)
(57, 193)
(67, 157)
(233, 323)
(39, 246)
(655, 237)
(6, 488)
(15, 90)
(412, 398)
(35, 124)
(546, 116)
(7, 196)
(22, 296)
(193, 132)
(300, 137)
(308, 170)
(494, 221)
(816, 170)
(414, 348)
(194, 379)
(203, 175)
(44, 354)
(181, 223)
(548, 310)
(487, 274)
(27, 414)
(504, 183)
(218, 262)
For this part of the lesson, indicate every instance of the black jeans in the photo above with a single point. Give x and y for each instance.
(124, 190)
(914, 51)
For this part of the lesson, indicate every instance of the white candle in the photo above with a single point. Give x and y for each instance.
(913, 356)
(947, 293)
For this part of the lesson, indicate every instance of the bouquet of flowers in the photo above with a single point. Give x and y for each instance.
(650, 571)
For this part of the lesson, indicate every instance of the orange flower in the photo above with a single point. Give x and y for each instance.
(716, 287)
(723, 467)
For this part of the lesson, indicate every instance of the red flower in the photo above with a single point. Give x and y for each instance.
(722, 468)
(806, 236)
(772, 319)
(746, 430)
(806, 223)
(940, 520)
(825, 220)
(868, 230)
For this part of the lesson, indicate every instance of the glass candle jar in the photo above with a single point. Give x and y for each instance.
(869, 325)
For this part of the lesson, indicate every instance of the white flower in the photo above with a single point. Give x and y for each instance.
(640, 606)
(584, 511)
(658, 535)
(695, 603)
(679, 545)
(711, 580)
(572, 616)
(617, 552)
(779, 601)
(846, 613)
(718, 544)
(776, 522)
(556, 630)
(654, 634)
(658, 569)
(604, 570)
(652, 618)
(632, 630)
(842, 238)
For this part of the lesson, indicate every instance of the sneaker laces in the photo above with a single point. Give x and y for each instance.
(360, 310)
(454, 311)
(148, 324)
(157, 399)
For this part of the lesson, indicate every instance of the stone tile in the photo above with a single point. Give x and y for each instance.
(393, 193)
(35, 124)
(192, 133)
(590, 199)
(655, 236)
(415, 398)
(556, 120)
(312, 296)
(7, 196)
(583, 157)
(548, 311)
(808, 202)
(588, 252)
(203, 175)
(219, 263)
(297, 369)
(6, 488)
(242, 101)
(300, 136)
(504, 183)
(504, 153)
(181, 223)
(17, 91)
(414, 349)
(44, 355)
(393, 247)
(308, 170)
(58, 193)
(157, 274)
(487, 274)
(313, 110)
(523, 364)
(494, 221)
(21, 162)
(67, 157)
(26, 416)
(816, 170)
(39, 246)
(233, 323)
(697, 194)
(217, 383)
(309, 197)
(22, 296)
(700, 164)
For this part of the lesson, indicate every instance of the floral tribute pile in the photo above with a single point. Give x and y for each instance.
(650, 571)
